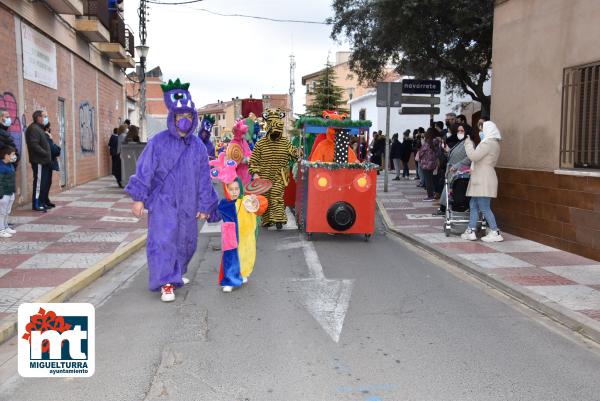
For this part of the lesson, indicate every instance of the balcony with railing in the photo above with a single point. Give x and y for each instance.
(72, 7)
(95, 22)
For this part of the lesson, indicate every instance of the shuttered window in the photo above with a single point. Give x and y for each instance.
(580, 130)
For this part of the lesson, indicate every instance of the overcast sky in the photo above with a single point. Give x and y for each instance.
(224, 57)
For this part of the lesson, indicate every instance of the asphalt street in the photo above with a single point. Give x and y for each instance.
(335, 319)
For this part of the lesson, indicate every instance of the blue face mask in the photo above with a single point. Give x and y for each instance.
(481, 135)
(45, 120)
(7, 122)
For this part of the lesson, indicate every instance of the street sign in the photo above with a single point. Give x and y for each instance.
(382, 94)
(422, 86)
(420, 100)
(420, 110)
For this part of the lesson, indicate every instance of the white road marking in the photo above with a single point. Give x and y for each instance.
(326, 300)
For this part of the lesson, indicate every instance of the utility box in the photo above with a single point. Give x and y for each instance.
(130, 152)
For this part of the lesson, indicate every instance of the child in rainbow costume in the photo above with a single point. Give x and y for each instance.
(238, 231)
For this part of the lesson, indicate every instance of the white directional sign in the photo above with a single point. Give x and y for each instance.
(420, 100)
(420, 110)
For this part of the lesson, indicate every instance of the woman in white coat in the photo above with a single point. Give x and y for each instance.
(483, 185)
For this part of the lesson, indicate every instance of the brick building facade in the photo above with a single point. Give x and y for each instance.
(82, 92)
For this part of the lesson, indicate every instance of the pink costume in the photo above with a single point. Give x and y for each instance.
(239, 137)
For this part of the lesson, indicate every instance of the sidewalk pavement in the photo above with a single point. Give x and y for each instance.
(54, 254)
(562, 285)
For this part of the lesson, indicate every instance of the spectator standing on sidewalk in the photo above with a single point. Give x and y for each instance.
(133, 135)
(40, 158)
(407, 149)
(428, 161)
(8, 187)
(5, 138)
(113, 146)
(483, 185)
(457, 159)
(54, 153)
(396, 155)
(415, 150)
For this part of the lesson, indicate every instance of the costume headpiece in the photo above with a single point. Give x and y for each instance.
(274, 120)
(179, 102)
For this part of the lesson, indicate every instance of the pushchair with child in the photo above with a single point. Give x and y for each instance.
(457, 201)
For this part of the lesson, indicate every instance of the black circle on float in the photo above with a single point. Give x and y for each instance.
(341, 216)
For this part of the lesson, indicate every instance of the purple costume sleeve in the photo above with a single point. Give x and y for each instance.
(139, 186)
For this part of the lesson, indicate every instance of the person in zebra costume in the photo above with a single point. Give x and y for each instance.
(270, 160)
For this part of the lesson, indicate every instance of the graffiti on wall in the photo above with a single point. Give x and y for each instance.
(9, 102)
(87, 127)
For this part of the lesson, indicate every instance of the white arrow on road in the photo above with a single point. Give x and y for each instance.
(326, 300)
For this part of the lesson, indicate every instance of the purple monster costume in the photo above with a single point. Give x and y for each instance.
(172, 178)
(206, 126)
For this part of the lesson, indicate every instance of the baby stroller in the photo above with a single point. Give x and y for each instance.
(457, 202)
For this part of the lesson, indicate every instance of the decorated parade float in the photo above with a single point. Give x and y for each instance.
(334, 197)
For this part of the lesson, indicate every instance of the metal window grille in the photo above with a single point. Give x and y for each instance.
(580, 130)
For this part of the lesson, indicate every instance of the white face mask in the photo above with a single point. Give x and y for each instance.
(460, 136)
(13, 159)
(448, 134)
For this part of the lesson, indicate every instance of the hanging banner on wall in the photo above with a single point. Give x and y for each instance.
(39, 58)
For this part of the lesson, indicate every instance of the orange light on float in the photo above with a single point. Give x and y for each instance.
(322, 182)
(362, 182)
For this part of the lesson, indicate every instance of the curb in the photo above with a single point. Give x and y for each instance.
(70, 287)
(581, 324)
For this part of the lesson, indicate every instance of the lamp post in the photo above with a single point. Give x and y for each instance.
(143, 52)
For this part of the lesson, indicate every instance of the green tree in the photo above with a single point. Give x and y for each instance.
(449, 39)
(327, 96)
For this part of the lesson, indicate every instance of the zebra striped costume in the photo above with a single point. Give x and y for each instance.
(270, 159)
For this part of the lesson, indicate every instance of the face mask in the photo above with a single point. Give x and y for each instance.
(13, 159)
(448, 134)
(126, 131)
(7, 122)
(481, 135)
(45, 120)
(422, 141)
(460, 136)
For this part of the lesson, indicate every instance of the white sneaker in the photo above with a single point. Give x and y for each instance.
(469, 235)
(227, 288)
(10, 230)
(185, 280)
(5, 234)
(244, 280)
(167, 293)
(493, 236)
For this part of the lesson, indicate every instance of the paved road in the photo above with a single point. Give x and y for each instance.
(414, 330)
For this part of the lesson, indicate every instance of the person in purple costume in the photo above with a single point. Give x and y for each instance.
(204, 132)
(172, 180)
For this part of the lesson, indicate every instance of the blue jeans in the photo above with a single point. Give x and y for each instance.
(481, 204)
(405, 172)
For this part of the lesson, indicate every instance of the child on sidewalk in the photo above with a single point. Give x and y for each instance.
(8, 156)
(238, 231)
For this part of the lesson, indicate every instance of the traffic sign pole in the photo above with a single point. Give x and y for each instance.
(387, 137)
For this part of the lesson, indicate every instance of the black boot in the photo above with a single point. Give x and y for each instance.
(279, 226)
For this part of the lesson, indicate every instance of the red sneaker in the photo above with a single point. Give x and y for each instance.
(167, 293)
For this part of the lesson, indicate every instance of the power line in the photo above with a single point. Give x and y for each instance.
(241, 15)
(174, 4)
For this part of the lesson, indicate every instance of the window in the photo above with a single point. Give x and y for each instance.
(580, 130)
(362, 114)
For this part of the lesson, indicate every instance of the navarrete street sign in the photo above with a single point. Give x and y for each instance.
(422, 86)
